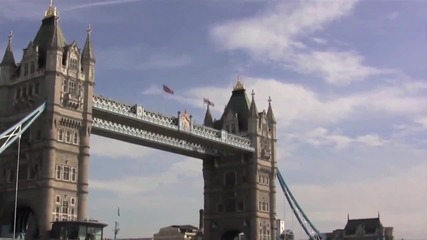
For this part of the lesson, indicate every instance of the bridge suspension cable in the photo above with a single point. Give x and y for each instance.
(303, 220)
(16, 131)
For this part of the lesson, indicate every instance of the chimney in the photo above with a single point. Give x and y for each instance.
(201, 220)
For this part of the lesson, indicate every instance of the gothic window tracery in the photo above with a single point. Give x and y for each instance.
(64, 208)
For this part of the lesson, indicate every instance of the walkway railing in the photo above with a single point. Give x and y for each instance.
(139, 113)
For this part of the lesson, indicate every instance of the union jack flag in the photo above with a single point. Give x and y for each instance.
(208, 102)
(167, 89)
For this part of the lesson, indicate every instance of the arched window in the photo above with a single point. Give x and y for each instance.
(60, 135)
(58, 172)
(67, 136)
(73, 174)
(76, 137)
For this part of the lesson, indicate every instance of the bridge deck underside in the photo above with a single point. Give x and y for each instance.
(142, 136)
(174, 133)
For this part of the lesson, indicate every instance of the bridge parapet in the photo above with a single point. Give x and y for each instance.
(141, 114)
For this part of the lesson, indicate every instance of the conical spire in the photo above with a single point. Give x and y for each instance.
(270, 114)
(208, 122)
(87, 53)
(8, 58)
(50, 35)
(253, 109)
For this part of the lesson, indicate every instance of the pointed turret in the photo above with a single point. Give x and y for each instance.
(87, 53)
(208, 121)
(270, 114)
(253, 109)
(49, 35)
(8, 58)
(239, 104)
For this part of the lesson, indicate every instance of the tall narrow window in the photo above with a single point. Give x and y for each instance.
(60, 135)
(58, 172)
(64, 207)
(76, 137)
(73, 174)
(67, 136)
(66, 175)
(65, 85)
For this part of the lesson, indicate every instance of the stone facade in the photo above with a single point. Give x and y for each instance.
(53, 172)
(240, 191)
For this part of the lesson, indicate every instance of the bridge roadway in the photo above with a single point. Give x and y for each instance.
(134, 124)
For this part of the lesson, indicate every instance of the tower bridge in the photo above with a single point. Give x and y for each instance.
(238, 150)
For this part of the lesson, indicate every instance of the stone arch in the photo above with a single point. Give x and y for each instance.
(234, 235)
(26, 220)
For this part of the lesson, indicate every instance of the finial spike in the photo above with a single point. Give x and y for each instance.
(269, 99)
(253, 93)
(239, 85)
(51, 11)
(10, 36)
(89, 29)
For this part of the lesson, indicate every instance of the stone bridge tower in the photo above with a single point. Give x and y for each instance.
(54, 156)
(240, 190)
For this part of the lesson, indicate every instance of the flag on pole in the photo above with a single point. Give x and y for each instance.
(208, 102)
(118, 211)
(167, 89)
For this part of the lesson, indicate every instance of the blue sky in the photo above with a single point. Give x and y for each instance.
(348, 84)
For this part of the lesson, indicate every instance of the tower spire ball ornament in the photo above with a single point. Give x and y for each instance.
(51, 11)
(239, 84)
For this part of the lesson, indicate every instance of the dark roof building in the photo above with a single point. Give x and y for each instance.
(362, 229)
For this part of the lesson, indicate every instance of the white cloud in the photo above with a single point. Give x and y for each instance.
(137, 185)
(338, 68)
(422, 121)
(320, 41)
(323, 137)
(295, 104)
(110, 148)
(274, 34)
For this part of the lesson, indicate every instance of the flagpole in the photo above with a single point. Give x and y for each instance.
(163, 101)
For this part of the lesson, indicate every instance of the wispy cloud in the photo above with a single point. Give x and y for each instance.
(320, 41)
(99, 4)
(335, 67)
(323, 137)
(140, 185)
(129, 58)
(274, 35)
